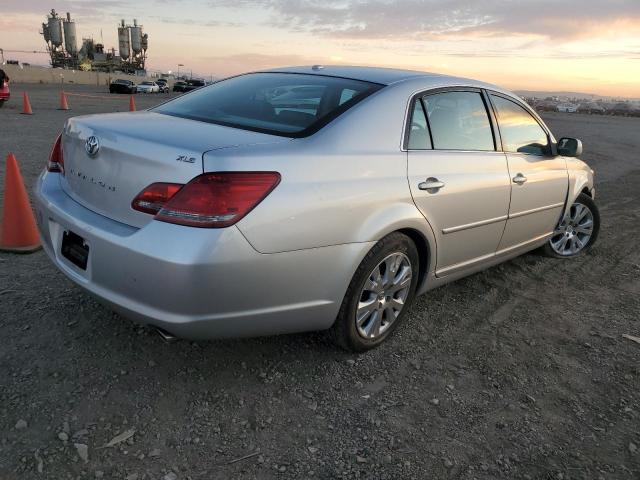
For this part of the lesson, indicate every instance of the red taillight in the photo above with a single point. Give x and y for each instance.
(211, 200)
(154, 197)
(56, 159)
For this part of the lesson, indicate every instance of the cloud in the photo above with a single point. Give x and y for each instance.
(81, 7)
(431, 19)
(196, 22)
(234, 64)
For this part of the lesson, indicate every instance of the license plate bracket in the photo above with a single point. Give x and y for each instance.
(75, 249)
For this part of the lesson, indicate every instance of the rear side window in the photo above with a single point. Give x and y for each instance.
(285, 104)
(419, 138)
(459, 121)
(520, 132)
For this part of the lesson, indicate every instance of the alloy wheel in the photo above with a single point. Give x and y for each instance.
(383, 295)
(573, 233)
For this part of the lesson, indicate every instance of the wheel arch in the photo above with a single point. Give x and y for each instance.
(580, 181)
(407, 219)
(424, 253)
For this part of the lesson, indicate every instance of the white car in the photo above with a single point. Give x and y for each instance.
(567, 108)
(148, 87)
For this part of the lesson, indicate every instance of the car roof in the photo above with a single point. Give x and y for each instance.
(385, 76)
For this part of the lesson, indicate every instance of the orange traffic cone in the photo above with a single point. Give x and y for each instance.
(132, 104)
(26, 105)
(18, 232)
(63, 101)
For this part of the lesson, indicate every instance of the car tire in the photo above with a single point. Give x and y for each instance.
(568, 228)
(346, 332)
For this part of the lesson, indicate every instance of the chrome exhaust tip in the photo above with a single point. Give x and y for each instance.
(166, 336)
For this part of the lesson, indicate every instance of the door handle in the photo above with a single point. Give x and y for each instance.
(432, 185)
(519, 179)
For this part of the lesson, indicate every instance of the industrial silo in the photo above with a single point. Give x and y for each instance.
(45, 32)
(136, 37)
(123, 41)
(70, 41)
(55, 29)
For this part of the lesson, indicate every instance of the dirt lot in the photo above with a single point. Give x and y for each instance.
(519, 372)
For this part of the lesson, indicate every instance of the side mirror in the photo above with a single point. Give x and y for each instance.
(569, 147)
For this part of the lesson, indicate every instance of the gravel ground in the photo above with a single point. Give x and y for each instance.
(518, 372)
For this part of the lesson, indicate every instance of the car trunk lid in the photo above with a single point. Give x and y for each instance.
(109, 159)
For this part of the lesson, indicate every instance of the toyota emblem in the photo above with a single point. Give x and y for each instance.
(92, 145)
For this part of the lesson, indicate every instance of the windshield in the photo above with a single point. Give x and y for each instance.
(293, 105)
(147, 83)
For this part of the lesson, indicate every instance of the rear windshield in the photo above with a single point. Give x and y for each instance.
(293, 105)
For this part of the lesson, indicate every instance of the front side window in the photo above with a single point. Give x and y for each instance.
(459, 121)
(520, 132)
(277, 103)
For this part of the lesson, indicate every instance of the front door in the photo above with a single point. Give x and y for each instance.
(458, 180)
(539, 180)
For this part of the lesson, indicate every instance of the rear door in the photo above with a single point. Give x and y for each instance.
(458, 179)
(539, 178)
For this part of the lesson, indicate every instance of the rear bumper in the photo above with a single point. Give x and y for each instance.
(196, 283)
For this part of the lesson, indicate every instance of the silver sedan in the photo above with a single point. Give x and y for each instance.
(307, 198)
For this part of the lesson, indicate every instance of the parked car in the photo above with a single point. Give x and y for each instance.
(546, 106)
(162, 84)
(193, 85)
(301, 99)
(567, 108)
(179, 86)
(624, 109)
(214, 215)
(5, 93)
(148, 87)
(122, 86)
(591, 108)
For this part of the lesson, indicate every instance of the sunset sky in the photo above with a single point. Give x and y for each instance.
(569, 45)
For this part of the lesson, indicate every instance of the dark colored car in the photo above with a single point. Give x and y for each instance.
(624, 109)
(122, 86)
(162, 83)
(591, 109)
(179, 86)
(193, 85)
